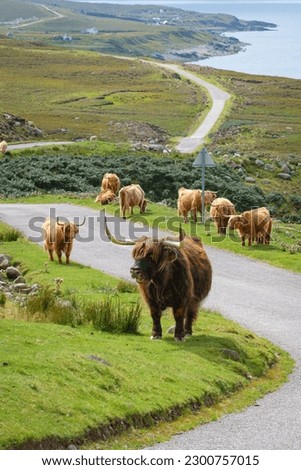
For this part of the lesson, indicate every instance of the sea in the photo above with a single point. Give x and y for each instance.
(276, 52)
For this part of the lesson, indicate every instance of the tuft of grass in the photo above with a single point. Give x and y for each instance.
(2, 299)
(47, 306)
(10, 235)
(112, 316)
(125, 286)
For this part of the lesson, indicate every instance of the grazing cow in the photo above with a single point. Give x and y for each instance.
(3, 146)
(174, 274)
(253, 225)
(190, 200)
(110, 186)
(220, 210)
(58, 237)
(131, 196)
(105, 197)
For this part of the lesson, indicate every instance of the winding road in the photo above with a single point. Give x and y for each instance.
(260, 297)
(186, 144)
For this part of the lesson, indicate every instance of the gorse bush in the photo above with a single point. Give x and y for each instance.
(112, 316)
(160, 177)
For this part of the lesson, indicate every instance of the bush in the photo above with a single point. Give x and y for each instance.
(112, 316)
(49, 307)
(296, 202)
(10, 235)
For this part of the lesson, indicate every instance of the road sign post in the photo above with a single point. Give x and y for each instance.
(203, 160)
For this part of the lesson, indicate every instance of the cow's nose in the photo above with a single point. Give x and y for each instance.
(134, 272)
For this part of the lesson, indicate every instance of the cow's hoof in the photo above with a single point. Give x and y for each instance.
(180, 339)
(155, 337)
(188, 335)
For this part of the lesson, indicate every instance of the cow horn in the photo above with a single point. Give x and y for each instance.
(113, 239)
(175, 243)
(79, 225)
(59, 223)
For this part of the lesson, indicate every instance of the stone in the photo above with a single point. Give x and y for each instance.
(250, 179)
(269, 167)
(259, 163)
(19, 280)
(284, 176)
(5, 261)
(12, 273)
(22, 288)
(285, 168)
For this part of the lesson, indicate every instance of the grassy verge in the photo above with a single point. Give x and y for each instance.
(82, 385)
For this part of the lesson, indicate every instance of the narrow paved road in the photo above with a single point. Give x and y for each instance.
(262, 298)
(187, 144)
(219, 98)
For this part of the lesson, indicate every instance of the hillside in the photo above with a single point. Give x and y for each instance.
(133, 30)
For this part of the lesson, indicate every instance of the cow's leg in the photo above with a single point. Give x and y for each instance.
(193, 214)
(59, 255)
(157, 328)
(50, 252)
(191, 315)
(67, 253)
(179, 315)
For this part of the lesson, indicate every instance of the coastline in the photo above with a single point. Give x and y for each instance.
(224, 46)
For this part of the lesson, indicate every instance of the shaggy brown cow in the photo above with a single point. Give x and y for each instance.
(220, 210)
(105, 197)
(174, 274)
(253, 225)
(131, 196)
(110, 186)
(190, 200)
(58, 237)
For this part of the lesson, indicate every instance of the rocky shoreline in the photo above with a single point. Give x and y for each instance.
(223, 46)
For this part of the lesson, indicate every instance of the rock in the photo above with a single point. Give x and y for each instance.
(259, 163)
(34, 288)
(285, 168)
(19, 280)
(250, 179)
(12, 273)
(284, 176)
(5, 261)
(269, 167)
(22, 288)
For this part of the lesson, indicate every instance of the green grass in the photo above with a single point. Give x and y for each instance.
(85, 94)
(75, 383)
(262, 121)
(82, 385)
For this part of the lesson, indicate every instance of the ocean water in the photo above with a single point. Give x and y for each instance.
(276, 52)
